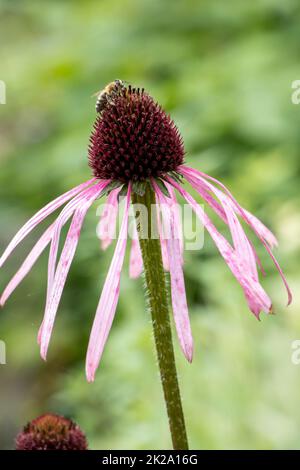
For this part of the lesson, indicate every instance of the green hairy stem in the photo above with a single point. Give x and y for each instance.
(157, 295)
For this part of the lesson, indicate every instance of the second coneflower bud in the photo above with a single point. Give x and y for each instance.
(51, 432)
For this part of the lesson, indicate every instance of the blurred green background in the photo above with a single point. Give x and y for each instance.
(224, 71)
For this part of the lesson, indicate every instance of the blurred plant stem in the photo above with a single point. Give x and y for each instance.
(157, 296)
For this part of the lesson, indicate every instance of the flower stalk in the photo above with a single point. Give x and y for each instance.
(158, 303)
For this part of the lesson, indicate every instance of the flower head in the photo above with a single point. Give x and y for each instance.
(134, 139)
(51, 432)
(134, 143)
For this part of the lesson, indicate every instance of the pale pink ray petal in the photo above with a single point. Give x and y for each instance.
(108, 221)
(61, 220)
(241, 243)
(202, 187)
(108, 301)
(27, 264)
(63, 269)
(179, 302)
(177, 218)
(40, 216)
(39, 335)
(260, 227)
(54, 294)
(136, 260)
(257, 298)
(163, 241)
(185, 170)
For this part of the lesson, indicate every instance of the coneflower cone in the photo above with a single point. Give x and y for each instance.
(51, 432)
(134, 139)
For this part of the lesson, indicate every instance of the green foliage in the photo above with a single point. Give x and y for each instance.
(223, 70)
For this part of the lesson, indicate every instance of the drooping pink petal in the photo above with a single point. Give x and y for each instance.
(108, 301)
(136, 260)
(40, 216)
(163, 241)
(64, 266)
(177, 218)
(241, 243)
(61, 220)
(260, 227)
(252, 222)
(108, 221)
(27, 264)
(179, 302)
(257, 298)
(202, 187)
(39, 335)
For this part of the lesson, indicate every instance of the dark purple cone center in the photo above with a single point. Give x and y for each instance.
(51, 432)
(133, 139)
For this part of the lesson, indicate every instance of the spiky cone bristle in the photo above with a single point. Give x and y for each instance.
(134, 139)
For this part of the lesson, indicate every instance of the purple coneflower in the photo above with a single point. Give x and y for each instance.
(51, 432)
(136, 148)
